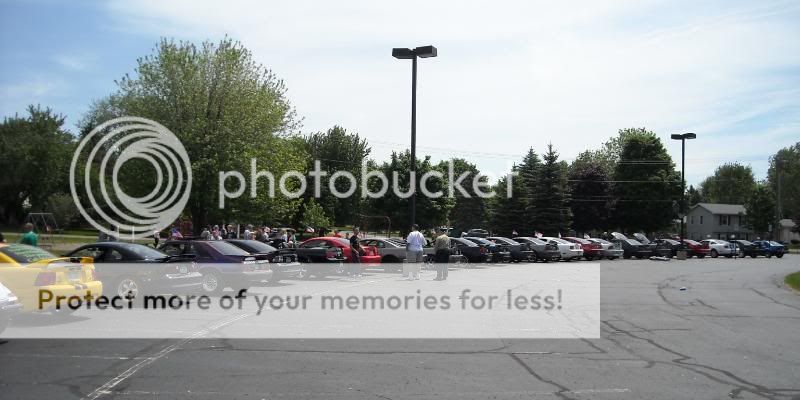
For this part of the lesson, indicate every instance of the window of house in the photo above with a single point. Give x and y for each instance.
(692, 220)
(724, 220)
(701, 220)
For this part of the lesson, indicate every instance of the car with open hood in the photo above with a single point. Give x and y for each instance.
(542, 249)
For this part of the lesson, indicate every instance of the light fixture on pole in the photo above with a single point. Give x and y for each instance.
(413, 54)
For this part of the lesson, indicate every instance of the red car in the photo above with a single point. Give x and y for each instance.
(591, 250)
(330, 241)
(694, 248)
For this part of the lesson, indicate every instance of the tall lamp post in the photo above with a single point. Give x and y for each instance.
(413, 54)
(683, 137)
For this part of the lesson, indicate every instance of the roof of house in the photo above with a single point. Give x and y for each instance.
(731, 209)
(786, 223)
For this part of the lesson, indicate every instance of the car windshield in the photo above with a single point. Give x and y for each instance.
(481, 241)
(227, 249)
(581, 241)
(255, 246)
(634, 242)
(691, 242)
(25, 254)
(465, 242)
(342, 241)
(601, 241)
(503, 240)
(775, 244)
(560, 241)
(143, 252)
(745, 242)
(397, 242)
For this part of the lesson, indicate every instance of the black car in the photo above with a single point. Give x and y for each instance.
(471, 251)
(668, 244)
(542, 250)
(747, 248)
(481, 233)
(519, 251)
(133, 268)
(655, 248)
(632, 248)
(497, 252)
(222, 264)
(283, 263)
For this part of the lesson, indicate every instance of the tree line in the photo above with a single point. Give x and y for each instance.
(228, 109)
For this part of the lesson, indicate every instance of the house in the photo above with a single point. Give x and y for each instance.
(717, 221)
(785, 234)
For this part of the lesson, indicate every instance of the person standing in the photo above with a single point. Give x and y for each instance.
(156, 238)
(441, 247)
(205, 234)
(416, 241)
(29, 237)
(230, 233)
(355, 251)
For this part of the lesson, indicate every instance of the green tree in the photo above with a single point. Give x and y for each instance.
(36, 153)
(694, 196)
(336, 150)
(760, 208)
(431, 212)
(785, 164)
(507, 212)
(590, 190)
(646, 184)
(550, 202)
(466, 212)
(529, 175)
(227, 110)
(732, 183)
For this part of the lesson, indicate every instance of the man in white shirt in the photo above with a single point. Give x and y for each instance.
(413, 262)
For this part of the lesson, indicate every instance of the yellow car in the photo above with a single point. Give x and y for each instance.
(34, 275)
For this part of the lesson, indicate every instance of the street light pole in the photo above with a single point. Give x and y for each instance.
(413, 54)
(413, 139)
(683, 137)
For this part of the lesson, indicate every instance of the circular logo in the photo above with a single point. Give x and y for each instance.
(96, 166)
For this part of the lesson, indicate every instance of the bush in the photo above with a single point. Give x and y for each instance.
(63, 208)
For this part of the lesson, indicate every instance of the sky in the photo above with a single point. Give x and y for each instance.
(510, 75)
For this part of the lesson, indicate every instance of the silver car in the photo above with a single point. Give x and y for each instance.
(610, 251)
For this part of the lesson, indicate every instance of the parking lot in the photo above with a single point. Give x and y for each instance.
(730, 333)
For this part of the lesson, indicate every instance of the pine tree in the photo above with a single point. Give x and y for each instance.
(549, 202)
(528, 178)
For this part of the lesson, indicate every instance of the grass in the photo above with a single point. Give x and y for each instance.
(793, 280)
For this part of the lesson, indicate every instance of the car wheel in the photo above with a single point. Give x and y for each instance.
(754, 255)
(588, 258)
(533, 257)
(701, 256)
(127, 285)
(714, 253)
(768, 255)
(391, 264)
(212, 282)
(779, 255)
(741, 254)
(626, 256)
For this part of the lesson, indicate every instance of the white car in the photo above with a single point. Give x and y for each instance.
(568, 249)
(9, 306)
(719, 247)
(610, 251)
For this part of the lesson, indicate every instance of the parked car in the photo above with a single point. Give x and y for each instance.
(745, 248)
(392, 252)
(631, 247)
(9, 307)
(26, 270)
(608, 250)
(660, 251)
(472, 252)
(481, 233)
(519, 251)
(323, 256)
(134, 268)
(672, 245)
(718, 248)
(283, 262)
(591, 250)
(497, 252)
(222, 264)
(542, 250)
(771, 248)
(695, 248)
(569, 251)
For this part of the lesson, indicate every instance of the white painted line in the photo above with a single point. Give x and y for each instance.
(106, 387)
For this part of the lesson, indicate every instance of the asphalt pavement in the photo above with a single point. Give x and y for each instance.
(696, 329)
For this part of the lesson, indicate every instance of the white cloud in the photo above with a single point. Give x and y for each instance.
(516, 74)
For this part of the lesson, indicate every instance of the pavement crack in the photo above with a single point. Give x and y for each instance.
(562, 390)
(773, 299)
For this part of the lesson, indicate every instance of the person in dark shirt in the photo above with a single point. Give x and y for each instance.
(355, 250)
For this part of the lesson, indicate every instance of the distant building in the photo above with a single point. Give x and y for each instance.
(785, 233)
(717, 221)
